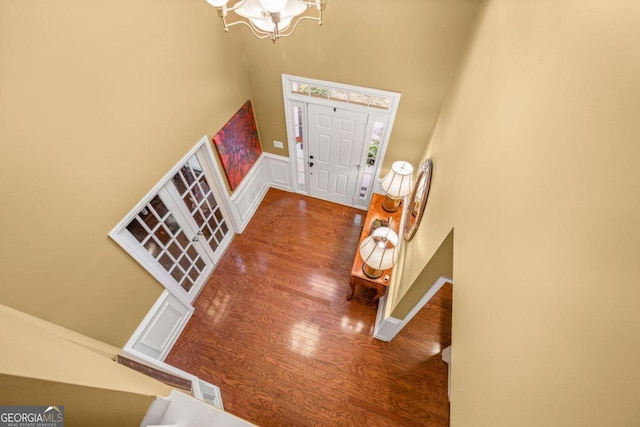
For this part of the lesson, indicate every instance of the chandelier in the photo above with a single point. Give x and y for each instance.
(270, 18)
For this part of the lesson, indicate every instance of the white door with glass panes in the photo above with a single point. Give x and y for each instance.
(166, 243)
(336, 141)
(193, 194)
(181, 233)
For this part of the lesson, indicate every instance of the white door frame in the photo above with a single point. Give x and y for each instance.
(386, 115)
(337, 154)
(132, 247)
(189, 219)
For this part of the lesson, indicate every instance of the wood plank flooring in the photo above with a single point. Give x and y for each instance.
(273, 330)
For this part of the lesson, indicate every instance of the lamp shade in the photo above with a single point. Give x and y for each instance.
(254, 10)
(380, 250)
(273, 6)
(397, 183)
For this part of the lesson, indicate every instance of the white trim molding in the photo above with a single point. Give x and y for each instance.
(387, 328)
(277, 170)
(269, 171)
(160, 328)
(446, 358)
(247, 197)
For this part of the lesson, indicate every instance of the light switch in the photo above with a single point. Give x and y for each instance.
(278, 144)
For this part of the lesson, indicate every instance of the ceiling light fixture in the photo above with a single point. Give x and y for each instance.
(270, 18)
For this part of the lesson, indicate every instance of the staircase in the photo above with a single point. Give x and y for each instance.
(192, 403)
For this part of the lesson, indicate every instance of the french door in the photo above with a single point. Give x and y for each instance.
(181, 232)
(191, 193)
(174, 248)
(336, 141)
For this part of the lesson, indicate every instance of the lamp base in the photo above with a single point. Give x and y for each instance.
(390, 204)
(371, 272)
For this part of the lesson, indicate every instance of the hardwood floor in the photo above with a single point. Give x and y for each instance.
(272, 328)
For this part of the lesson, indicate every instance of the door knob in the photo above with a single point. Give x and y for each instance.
(195, 239)
(310, 164)
(311, 157)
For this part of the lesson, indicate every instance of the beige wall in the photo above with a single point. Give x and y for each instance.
(94, 389)
(83, 406)
(413, 49)
(536, 160)
(24, 343)
(440, 264)
(98, 100)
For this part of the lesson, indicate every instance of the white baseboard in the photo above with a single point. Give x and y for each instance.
(446, 357)
(387, 328)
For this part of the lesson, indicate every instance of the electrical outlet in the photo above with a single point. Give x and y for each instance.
(278, 144)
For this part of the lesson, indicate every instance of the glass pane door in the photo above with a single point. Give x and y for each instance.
(180, 230)
(194, 193)
(159, 231)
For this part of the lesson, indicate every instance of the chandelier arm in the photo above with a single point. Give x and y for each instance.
(318, 4)
(293, 27)
(236, 6)
(256, 32)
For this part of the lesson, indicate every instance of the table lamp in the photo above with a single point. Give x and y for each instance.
(379, 252)
(396, 184)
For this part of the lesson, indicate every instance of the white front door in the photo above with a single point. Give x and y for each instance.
(336, 141)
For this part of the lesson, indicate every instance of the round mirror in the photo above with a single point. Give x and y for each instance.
(417, 200)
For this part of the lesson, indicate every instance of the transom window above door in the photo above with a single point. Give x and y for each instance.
(340, 95)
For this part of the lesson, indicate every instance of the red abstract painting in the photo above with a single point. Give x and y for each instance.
(238, 145)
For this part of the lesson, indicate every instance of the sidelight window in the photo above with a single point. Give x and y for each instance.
(372, 157)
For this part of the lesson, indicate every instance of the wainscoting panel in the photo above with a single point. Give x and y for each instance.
(278, 171)
(269, 171)
(161, 327)
(247, 197)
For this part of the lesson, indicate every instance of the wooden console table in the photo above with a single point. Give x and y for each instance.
(357, 275)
